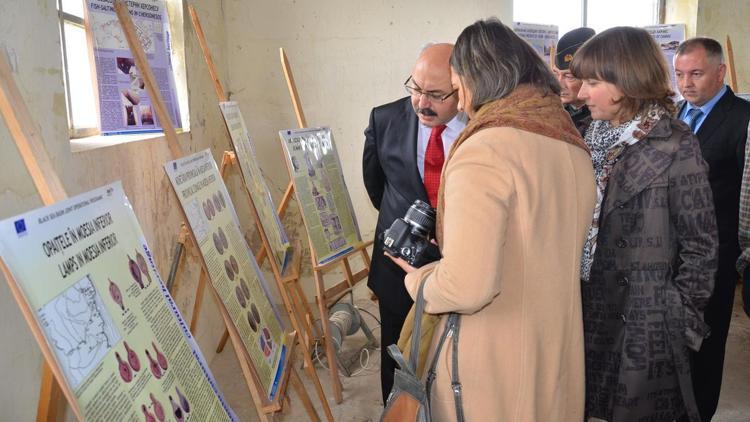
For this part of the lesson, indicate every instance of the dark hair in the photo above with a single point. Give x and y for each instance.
(628, 58)
(492, 61)
(712, 47)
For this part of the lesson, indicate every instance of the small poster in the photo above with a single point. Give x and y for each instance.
(114, 331)
(124, 104)
(668, 38)
(255, 183)
(321, 191)
(231, 267)
(542, 37)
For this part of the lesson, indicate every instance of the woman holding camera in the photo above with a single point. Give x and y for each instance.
(650, 256)
(515, 203)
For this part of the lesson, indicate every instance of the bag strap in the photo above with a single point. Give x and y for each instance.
(416, 331)
(455, 383)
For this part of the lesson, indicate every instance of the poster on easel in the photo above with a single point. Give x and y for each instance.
(255, 183)
(113, 330)
(231, 267)
(124, 104)
(543, 38)
(668, 38)
(319, 184)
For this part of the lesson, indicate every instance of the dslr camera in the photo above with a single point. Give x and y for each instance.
(409, 237)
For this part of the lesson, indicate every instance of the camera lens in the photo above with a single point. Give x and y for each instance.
(421, 216)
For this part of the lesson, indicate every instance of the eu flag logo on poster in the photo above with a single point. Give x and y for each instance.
(20, 227)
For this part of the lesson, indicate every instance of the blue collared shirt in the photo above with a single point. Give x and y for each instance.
(705, 108)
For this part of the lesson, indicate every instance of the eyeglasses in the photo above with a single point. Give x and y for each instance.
(431, 95)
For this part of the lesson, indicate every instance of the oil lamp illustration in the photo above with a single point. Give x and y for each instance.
(125, 372)
(133, 360)
(135, 271)
(158, 408)
(184, 404)
(147, 414)
(153, 366)
(160, 358)
(143, 265)
(116, 294)
(176, 410)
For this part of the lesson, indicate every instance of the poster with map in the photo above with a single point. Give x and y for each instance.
(124, 104)
(232, 269)
(321, 191)
(255, 183)
(114, 332)
(542, 37)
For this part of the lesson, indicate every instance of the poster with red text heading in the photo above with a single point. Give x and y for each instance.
(116, 334)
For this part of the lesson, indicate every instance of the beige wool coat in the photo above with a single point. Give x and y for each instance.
(517, 209)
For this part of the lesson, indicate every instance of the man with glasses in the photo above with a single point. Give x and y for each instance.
(569, 84)
(406, 144)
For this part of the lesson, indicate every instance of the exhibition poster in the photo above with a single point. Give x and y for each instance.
(255, 183)
(542, 37)
(321, 191)
(231, 267)
(124, 103)
(668, 38)
(115, 333)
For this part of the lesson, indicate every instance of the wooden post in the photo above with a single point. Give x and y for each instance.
(34, 154)
(730, 66)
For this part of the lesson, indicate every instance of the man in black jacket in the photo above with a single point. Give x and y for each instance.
(720, 120)
(406, 144)
(569, 84)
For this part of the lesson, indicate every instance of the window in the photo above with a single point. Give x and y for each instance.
(81, 89)
(79, 80)
(596, 14)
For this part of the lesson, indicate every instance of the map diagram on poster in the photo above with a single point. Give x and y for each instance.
(79, 328)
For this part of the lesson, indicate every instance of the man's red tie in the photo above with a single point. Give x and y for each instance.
(434, 157)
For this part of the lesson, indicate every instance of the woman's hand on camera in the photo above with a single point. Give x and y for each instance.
(401, 263)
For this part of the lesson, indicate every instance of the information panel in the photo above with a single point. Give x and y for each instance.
(255, 183)
(231, 267)
(321, 191)
(114, 331)
(124, 104)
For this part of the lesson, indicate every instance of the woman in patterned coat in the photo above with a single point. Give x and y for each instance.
(651, 253)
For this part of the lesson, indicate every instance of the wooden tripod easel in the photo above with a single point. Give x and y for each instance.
(288, 281)
(325, 297)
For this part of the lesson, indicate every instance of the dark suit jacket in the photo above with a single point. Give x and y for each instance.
(722, 139)
(391, 175)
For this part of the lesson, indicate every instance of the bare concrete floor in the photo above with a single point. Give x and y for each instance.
(362, 401)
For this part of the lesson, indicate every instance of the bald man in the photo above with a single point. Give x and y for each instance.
(406, 144)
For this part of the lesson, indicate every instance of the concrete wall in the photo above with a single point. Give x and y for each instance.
(347, 58)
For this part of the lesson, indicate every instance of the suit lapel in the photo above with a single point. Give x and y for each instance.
(716, 117)
(638, 166)
(410, 150)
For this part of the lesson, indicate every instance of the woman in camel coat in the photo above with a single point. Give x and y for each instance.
(517, 193)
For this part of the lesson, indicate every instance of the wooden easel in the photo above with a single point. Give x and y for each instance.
(31, 147)
(325, 297)
(730, 66)
(288, 281)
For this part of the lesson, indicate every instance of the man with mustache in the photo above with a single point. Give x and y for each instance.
(569, 84)
(406, 144)
(720, 120)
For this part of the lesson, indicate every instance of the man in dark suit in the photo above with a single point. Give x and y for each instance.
(406, 144)
(720, 120)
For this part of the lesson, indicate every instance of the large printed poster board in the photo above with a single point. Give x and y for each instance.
(116, 334)
(542, 37)
(321, 191)
(231, 267)
(124, 104)
(668, 38)
(255, 183)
